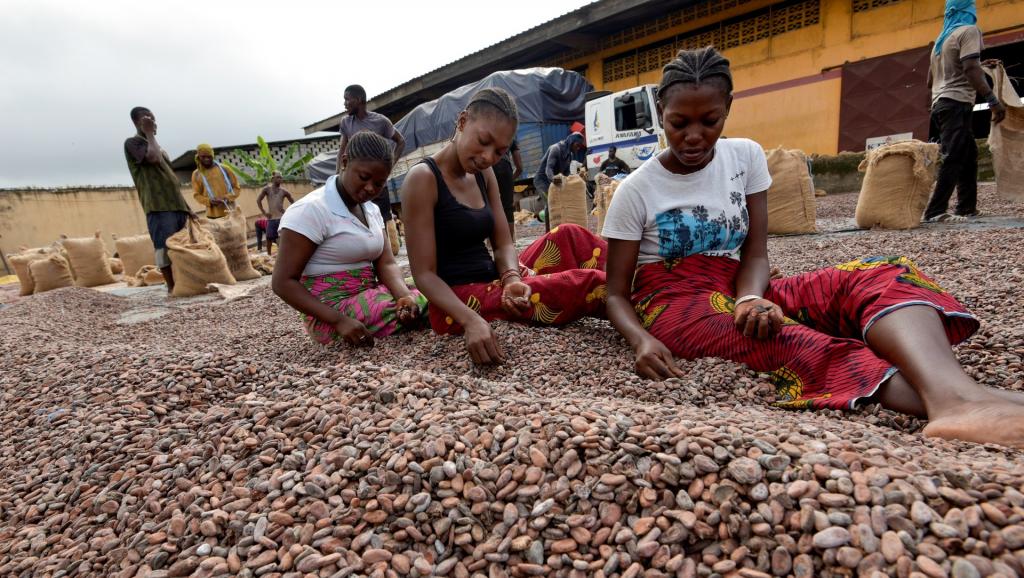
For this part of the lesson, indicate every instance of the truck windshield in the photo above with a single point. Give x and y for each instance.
(633, 111)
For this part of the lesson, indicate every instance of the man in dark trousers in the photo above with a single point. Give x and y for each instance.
(158, 187)
(955, 77)
(506, 171)
(358, 119)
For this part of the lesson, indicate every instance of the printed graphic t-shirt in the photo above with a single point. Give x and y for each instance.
(681, 215)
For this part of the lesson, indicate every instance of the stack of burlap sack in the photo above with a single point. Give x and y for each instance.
(898, 181)
(1006, 139)
(606, 187)
(82, 262)
(205, 251)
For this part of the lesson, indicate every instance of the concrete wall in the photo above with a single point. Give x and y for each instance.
(788, 85)
(38, 217)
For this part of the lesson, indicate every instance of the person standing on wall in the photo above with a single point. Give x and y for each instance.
(954, 77)
(359, 119)
(213, 185)
(275, 197)
(507, 170)
(158, 188)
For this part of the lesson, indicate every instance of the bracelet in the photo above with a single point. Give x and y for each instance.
(746, 298)
(992, 99)
(509, 274)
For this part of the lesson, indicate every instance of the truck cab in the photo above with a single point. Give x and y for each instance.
(627, 120)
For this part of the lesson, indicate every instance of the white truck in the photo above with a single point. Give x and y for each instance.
(627, 120)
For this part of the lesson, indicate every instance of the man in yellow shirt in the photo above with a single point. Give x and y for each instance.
(214, 185)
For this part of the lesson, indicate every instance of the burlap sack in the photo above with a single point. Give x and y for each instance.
(116, 266)
(89, 261)
(146, 275)
(1006, 139)
(135, 252)
(229, 234)
(151, 275)
(606, 187)
(393, 238)
(50, 273)
(196, 260)
(21, 262)
(568, 203)
(791, 206)
(898, 181)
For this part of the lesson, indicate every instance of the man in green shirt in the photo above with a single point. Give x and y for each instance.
(158, 188)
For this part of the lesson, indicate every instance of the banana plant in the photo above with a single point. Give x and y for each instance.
(262, 165)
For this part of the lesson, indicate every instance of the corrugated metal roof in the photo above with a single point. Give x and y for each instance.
(521, 49)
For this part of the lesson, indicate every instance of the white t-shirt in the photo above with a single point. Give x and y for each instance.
(680, 215)
(344, 242)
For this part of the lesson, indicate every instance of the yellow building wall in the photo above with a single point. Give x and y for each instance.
(38, 217)
(779, 118)
(807, 116)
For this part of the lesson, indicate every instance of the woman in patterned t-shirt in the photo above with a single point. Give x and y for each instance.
(688, 275)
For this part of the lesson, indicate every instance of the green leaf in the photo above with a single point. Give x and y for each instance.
(246, 177)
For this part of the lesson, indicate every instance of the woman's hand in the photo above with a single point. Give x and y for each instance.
(515, 298)
(482, 343)
(760, 318)
(407, 309)
(353, 332)
(654, 360)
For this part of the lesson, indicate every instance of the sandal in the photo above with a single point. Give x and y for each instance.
(946, 218)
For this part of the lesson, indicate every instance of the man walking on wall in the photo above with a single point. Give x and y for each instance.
(358, 119)
(159, 192)
(213, 185)
(955, 77)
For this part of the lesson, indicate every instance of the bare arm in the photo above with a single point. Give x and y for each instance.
(653, 359)
(517, 162)
(976, 76)
(389, 273)
(154, 154)
(341, 153)
(752, 279)
(399, 144)
(259, 204)
(288, 196)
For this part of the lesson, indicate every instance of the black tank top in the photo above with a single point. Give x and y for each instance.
(459, 233)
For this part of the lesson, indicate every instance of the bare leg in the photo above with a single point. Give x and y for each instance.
(913, 339)
(168, 278)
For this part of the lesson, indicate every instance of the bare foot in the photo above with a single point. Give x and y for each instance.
(994, 422)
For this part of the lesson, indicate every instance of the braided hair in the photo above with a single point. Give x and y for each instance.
(369, 146)
(494, 100)
(700, 66)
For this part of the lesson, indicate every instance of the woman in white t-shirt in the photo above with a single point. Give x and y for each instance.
(688, 275)
(335, 265)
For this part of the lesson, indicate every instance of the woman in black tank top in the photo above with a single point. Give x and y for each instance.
(451, 205)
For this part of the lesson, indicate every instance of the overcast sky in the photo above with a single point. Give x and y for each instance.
(220, 72)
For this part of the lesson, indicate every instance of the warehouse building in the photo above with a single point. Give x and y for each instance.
(819, 75)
